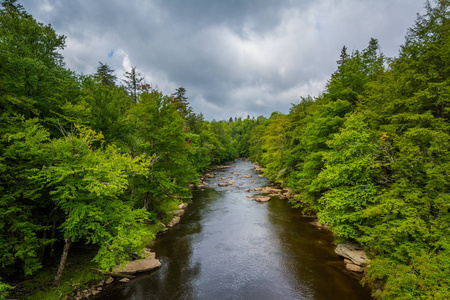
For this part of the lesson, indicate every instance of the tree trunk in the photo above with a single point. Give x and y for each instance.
(41, 256)
(62, 263)
(146, 201)
(52, 245)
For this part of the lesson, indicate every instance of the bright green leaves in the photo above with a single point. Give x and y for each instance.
(346, 180)
(371, 155)
(159, 128)
(23, 149)
(87, 183)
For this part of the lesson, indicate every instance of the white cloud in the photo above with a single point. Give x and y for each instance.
(233, 58)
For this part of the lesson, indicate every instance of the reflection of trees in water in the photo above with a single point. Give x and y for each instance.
(311, 266)
(278, 253)
(174, 248)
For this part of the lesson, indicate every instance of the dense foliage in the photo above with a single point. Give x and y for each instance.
(371, 156)
(86, 160)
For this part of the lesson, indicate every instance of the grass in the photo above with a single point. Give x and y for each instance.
(77, 275)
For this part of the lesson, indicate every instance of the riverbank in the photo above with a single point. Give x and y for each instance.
(354, 256)
(229, 246)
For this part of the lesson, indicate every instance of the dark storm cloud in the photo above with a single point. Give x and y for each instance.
(235, 58)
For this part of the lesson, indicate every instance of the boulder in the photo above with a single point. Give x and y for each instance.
(109, 280)
(182, 206)
(353, 252)
(261, 199)
(249, 196)
(247, 190)
(209, 175)
(124, 280)
(354, 268)
(247, 176)
(258, 168)
(222, 184)
(269, 190)
(174, 221)
(178, 212)
(138, 266)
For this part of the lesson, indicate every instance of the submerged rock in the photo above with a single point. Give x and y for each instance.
(318, 224)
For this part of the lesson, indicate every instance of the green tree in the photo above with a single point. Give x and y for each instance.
(86, 185)
(105, 75)
(22, 152)
(160, 130)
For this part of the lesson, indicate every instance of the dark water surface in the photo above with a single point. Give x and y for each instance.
(230, 247)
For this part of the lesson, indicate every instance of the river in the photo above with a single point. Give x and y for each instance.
(228, 246)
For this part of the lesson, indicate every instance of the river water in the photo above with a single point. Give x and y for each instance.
(228, 246)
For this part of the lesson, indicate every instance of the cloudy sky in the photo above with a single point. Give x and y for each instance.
(234, 57)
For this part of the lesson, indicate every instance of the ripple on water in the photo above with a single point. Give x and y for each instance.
(227, 246)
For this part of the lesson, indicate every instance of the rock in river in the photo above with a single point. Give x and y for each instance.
(353, 252)
(139, 266)
(261, 199)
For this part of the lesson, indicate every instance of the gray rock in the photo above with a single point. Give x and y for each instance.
(109, 280)
(174, 221)
(261, 199)
(354, 268)
(138, 266)
(353, 252)
(178, 212)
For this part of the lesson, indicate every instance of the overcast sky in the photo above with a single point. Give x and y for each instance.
(234, 58)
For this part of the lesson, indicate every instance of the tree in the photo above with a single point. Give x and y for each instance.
(132, 82)
(160, 130)
(22, 151)
(105, 75)
(32, 79)
(180, 100)
(86, 185)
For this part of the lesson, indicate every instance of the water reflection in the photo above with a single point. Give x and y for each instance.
(230, 247)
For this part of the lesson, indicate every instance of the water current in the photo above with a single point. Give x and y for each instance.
(228, 246)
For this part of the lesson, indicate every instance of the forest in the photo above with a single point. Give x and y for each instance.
(88, 160)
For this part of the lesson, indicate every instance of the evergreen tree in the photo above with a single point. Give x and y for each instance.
(132, 83)
(105, 75)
